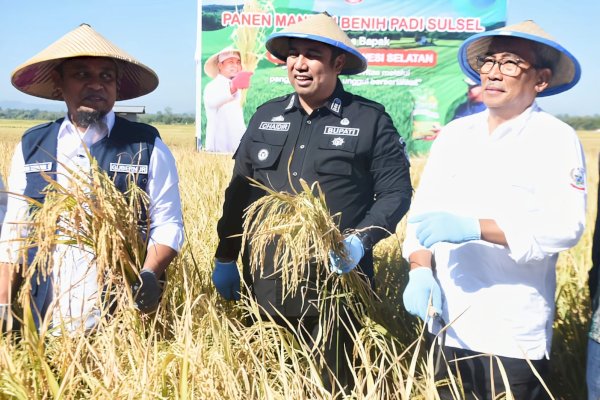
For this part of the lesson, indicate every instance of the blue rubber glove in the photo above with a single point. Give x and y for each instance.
(147, 291)
(354, 250)
(421, 286)
(226, 279)
(445, 227)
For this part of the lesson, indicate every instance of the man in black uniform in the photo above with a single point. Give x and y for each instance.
(345, 142)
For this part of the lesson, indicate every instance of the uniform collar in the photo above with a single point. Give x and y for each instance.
(335, 103)
(517, 124)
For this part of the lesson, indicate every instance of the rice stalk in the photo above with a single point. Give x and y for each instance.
(300, 228)
(90, 213)
(250, 40)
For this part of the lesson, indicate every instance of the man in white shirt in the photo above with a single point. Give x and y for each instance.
(503, 192)
(2, 201)
(89, 74)
(224, 113)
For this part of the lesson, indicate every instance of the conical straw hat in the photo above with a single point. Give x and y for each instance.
(321, 28)
(34, 76)
(565, 67)
(211, 66)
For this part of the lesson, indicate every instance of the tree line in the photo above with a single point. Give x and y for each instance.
(168, 117)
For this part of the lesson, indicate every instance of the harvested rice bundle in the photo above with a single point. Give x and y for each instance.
(92, 214)
(301, 229)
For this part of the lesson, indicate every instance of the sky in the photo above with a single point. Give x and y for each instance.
(162, 35)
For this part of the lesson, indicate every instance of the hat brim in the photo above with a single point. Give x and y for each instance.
(211, 66)
(566, 72)
(135, 79)
(278, 46)
(34, 77)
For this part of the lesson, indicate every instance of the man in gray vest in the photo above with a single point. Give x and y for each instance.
(89, 74)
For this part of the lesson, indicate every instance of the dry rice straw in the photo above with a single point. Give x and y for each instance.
(91, 214)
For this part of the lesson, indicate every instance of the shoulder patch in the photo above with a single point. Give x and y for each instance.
(279, 99)
(369, 103)
(42, 126)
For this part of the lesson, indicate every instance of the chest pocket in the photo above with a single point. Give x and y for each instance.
(335, 155)
(266, 148)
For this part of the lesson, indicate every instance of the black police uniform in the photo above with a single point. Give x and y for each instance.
(350, 146)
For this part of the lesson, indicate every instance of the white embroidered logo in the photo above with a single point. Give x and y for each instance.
(345, 121)
(263, 154)
(338, 141)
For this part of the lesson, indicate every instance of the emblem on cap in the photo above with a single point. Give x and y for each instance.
(337, 142)
(263, 154)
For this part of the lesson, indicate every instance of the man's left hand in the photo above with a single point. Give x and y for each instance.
(146, 292)
(437, 227)
(241, 80)
(354, 251)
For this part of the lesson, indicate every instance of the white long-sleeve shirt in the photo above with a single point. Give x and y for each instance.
(528, 176)
(224, 116)
(3, 201)
(74, 282)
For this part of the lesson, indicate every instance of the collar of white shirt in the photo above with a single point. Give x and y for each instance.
(93, 133)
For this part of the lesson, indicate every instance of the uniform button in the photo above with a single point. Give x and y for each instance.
(309, 122)
(302, 146)
(294, 173)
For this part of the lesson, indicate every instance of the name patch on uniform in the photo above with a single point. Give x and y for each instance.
(129, 168)
(37, 167)
(274, 126)
(341, 131)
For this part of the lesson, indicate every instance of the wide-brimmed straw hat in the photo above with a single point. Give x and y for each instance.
(211, 66)
(321, 28)
(34, 76)
(565, 67)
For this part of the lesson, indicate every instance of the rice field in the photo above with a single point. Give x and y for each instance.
(200, 347)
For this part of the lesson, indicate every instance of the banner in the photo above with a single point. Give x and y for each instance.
(411, 48)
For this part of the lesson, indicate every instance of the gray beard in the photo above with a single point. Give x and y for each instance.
(84, 119)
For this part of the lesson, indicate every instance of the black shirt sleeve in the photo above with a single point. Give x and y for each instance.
(237, 198)
(392, 187)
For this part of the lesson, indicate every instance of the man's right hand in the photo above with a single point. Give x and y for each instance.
(422, 286)
(226, 278)
(241, 80)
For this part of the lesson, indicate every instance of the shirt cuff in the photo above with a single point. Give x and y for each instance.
(170, 234)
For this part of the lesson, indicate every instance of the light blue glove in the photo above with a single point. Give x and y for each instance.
(421, 286)
(445, 227)
(226, 279)
(354, 250)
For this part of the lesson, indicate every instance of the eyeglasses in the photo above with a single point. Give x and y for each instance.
(508, 67)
